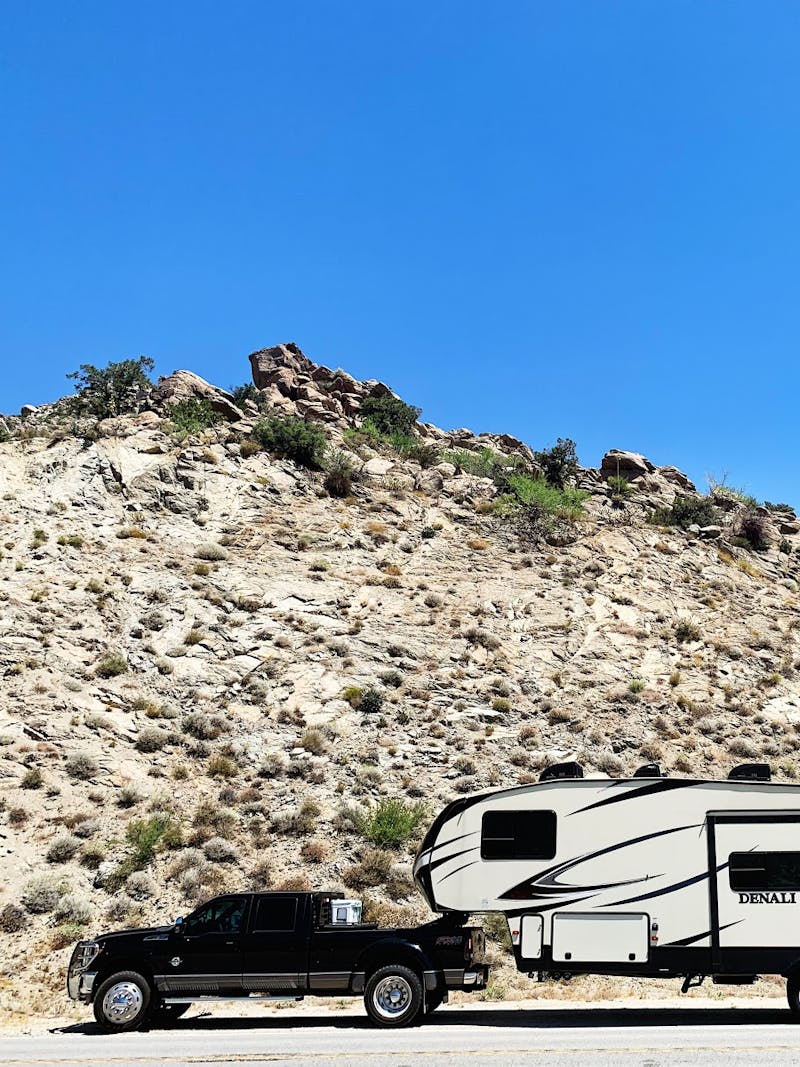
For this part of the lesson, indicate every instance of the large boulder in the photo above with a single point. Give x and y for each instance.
(185, 385)
(280, 365)
(630, 465)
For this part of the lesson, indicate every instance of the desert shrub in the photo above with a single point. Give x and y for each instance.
(687, 511)
(476, 636)
(140, 885)
(116, 389)
(65, 934)
(374, 868)
(371, 701)
(63, 848)
(144, 837)
(314, 851)
(119, 907)
(525, 491)
(484, 464)
(193, 416)
(313, 741)
(211, 552)
(111, 665)
(128, 797)
(753, 528)
(220, 850)
(353, 694)
(260, 876)
(686, 630)
(219, 820)
(559, 464)
(202, 726)
(153, 620)
(339, 473)
(81, 765)
(248, 448)
(389, 414)
(300, 821)
(74, 908)
(391, 823)
(70, 541)
(294, 438)
(743, 748)
(151, 739)
(92, 855)
(185, 860)
(32, 779)
(42, 894)
(222, 766)
(12, 919)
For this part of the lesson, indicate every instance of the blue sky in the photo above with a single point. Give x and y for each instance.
(552, 219)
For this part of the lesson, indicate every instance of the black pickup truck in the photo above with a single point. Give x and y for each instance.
(249, 946)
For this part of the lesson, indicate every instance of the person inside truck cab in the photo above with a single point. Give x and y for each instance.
(218, 917)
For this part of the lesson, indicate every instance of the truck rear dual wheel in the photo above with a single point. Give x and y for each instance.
(394, 996)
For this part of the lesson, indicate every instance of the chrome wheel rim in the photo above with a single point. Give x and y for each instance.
(392, 997)
(122, 1002)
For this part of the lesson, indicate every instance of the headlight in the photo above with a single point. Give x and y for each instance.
(85, 952)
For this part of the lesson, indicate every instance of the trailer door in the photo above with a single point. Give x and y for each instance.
(754, 864)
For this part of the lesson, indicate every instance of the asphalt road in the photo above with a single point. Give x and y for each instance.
(555, 1037)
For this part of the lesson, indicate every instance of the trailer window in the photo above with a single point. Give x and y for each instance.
(764, 870)
(518, 835)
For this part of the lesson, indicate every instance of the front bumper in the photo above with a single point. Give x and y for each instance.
(80, 986)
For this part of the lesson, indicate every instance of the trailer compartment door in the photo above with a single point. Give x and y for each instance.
(600, 937)
(754, 861)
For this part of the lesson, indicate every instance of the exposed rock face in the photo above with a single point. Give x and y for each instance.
(630, 465)
(185, 385)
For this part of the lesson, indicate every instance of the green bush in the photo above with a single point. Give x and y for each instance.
(113, 390)
(559, 464)
(526, 492)
(619, 486)
(392, 823)
(144, 837)
(484, 464)
(193, 416)
(111, 665)
(294, 438)
(389, 414)
(687, 511)
(246, 391)
(371, 701)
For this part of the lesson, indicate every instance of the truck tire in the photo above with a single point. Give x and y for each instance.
(793, 993)
(393, 997)
(122, 1002)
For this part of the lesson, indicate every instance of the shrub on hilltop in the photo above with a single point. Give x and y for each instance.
(116, 389)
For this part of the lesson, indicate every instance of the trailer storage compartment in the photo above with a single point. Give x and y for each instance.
(610, 937)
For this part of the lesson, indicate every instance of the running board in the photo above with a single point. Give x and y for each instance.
(225, 1000)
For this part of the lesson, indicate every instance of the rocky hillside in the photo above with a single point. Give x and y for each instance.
(219, 666)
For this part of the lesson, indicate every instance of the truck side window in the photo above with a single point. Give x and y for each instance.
(764, 870)
(276, 914)
(217, 917)
(518, 835)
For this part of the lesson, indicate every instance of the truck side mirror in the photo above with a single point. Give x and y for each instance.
(178, 927)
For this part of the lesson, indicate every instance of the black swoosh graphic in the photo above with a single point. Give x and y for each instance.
(668, 889)
(661, 786)
(698, 937)
(453, 856)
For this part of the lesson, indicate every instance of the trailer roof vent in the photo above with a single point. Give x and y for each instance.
(561, 770)
(750, 772)
(649, 770)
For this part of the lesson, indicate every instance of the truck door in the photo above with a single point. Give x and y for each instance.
(754, 861)
(205, 956)
(277, 945)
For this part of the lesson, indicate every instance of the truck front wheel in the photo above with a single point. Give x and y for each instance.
(393, 996)
(122, 1002)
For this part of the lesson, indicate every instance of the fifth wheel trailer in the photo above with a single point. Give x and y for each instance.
(649, 876)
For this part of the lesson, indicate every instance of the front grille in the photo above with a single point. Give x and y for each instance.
(85, 952)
